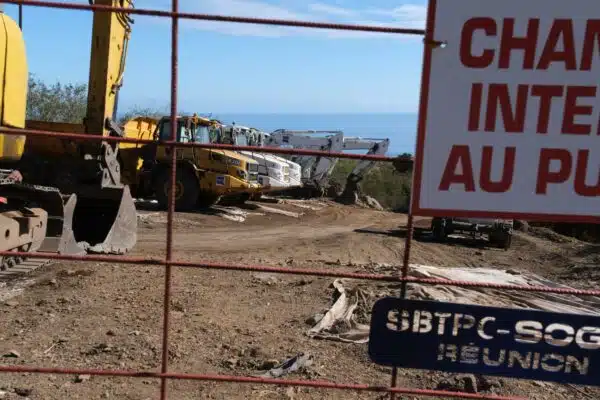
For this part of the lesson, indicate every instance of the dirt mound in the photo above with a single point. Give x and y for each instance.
(352, 195)
(549, 234)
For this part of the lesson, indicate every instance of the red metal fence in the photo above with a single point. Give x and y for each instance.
(168, 262)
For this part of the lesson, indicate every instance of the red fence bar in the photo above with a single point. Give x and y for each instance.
(171, 210)
(220, 18)
(252, 380)
(300, 271)
(216, 146)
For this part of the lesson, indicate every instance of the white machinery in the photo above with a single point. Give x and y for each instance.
(273, 172)
(260, 138)
(375, 147)
(315, 170)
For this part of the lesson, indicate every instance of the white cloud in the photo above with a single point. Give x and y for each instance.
(331, 10)
(403, 16)
(411, 15)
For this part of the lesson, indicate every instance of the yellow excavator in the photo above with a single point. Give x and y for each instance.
(59, 195)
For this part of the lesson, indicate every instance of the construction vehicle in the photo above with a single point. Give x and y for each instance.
(58, 195)
(273, 172)
(204, 176)
(374, 147)
(498, 231)
(315, 170)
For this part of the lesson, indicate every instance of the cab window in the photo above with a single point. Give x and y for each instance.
(215, 135)
(184, 135)
(241, 140)
(201, 134)
(165, 132)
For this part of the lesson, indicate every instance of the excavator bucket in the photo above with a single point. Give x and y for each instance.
(105, 221)
(59, 236)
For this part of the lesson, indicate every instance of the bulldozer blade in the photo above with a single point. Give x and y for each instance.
(59, 236)
(105, 222)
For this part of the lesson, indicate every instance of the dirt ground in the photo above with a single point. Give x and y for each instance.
(91, 315)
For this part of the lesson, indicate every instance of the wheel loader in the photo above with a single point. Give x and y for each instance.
(204, 176)
(59, 195)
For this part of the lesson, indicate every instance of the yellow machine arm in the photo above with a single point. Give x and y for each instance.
(100, 214)
(108, 51)
(110, 39)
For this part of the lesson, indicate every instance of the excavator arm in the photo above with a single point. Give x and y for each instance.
(374, 147)
(78, 183)
(110, 40)
(316, 170)
(108, 51)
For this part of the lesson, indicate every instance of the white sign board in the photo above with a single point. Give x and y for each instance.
(509, 120)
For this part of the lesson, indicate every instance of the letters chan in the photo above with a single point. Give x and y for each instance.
(512, 111)
(555, 355)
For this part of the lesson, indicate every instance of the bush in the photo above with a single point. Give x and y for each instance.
(56, 103)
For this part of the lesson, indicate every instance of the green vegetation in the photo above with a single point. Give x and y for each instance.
(390, 188)
(62, 102)
(56, 103)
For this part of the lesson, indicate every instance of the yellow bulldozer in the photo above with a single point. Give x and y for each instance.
(204, 176)
(60, 195)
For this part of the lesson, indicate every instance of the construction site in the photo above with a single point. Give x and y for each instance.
(221, 260)
(106, 315)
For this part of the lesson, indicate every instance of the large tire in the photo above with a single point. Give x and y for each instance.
(234, 199)
(207, 199)
(187, 189)
(507, 241)
(502, 240)
(438, 228)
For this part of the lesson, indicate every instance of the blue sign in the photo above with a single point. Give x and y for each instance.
(463, 338)
(220, 180)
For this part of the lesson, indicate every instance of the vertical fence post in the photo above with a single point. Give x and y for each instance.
(172, 147)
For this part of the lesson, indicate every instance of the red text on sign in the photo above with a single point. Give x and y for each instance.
(568, 164)
(555, 167)
(539, 51)
(576, 102)
(460, 158)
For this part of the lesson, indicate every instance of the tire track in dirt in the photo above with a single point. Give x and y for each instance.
(252, 234)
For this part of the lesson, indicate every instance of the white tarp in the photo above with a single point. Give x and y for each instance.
(341, 323)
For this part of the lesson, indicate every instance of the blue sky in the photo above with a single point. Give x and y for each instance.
(233, 68)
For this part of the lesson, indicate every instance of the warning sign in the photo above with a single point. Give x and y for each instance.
(509, 121)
